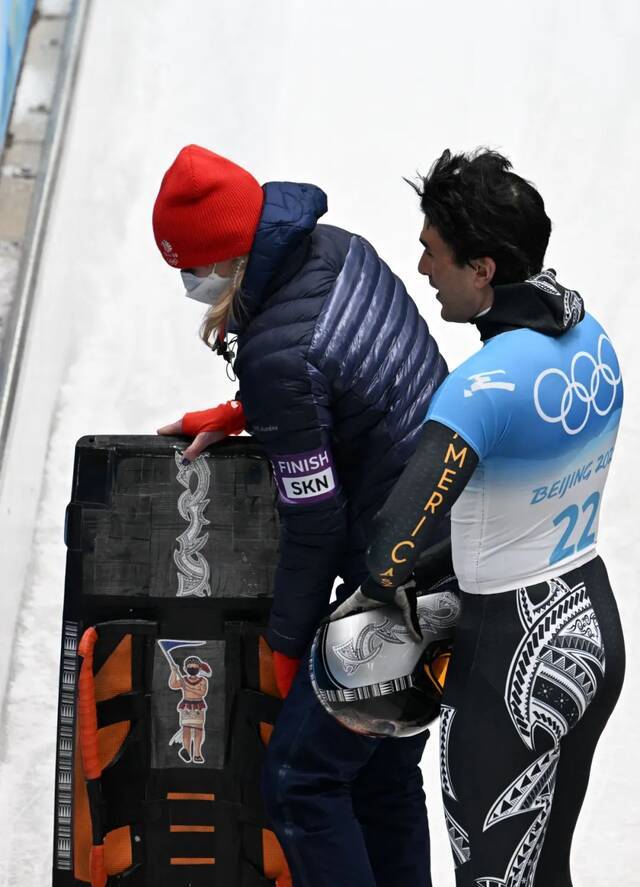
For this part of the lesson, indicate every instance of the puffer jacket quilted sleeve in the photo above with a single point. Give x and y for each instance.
(336, 370)
(312, 507)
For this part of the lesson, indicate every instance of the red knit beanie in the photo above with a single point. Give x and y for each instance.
(207, 209)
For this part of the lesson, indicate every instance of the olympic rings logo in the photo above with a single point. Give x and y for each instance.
(601, 374)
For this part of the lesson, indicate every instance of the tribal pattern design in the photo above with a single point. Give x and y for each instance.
(368, 643)
(573, 303)
(531, 791)
(458, 838)
(435, 613)
(552, 680)
(447, 714)
(194, 571)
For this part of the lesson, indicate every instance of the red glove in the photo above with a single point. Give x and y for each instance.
(227, 417)
(285, 669)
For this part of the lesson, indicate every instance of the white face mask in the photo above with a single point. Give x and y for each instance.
(206, 289)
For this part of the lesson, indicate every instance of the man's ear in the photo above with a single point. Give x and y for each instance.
(485, 269)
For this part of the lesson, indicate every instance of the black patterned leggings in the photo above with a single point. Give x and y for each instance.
(535, 674)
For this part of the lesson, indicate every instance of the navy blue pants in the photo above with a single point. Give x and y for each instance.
(349, 810)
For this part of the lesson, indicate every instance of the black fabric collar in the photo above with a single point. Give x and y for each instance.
(539, 303)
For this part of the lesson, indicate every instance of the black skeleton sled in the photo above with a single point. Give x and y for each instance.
(167, 694)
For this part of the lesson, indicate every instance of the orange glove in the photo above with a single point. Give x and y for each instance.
(207, 427)
(285, 669)
(227, 417)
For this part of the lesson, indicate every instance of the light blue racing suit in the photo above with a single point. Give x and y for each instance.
(542, 415)
(517, 443)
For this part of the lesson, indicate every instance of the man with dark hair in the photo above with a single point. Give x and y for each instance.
(517, 444)
(481, 208)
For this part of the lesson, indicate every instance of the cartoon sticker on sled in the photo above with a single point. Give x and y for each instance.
(193, 682)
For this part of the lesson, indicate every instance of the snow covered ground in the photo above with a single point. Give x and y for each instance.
(350, 96)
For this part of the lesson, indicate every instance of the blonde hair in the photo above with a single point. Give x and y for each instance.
(226, 309)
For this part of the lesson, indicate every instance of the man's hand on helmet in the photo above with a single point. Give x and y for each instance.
(371, 595)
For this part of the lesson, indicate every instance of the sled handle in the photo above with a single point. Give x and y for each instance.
(88, 729)
(87, 713)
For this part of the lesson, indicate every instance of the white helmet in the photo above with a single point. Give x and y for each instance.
(371, 676)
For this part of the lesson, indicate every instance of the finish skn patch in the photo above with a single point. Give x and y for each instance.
(305, 477)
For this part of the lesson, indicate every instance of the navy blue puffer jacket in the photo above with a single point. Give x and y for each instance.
(336, 371)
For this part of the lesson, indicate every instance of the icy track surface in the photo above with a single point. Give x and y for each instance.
(351, 96)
